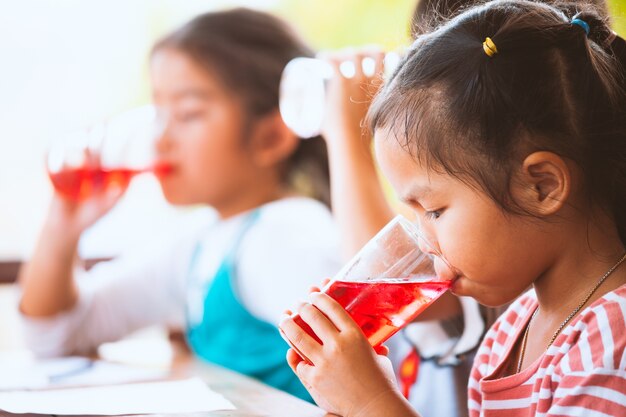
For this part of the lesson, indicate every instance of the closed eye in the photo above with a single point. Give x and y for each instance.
(433, 214)
(189, 116)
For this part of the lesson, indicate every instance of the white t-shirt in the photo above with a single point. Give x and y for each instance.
(292, 245)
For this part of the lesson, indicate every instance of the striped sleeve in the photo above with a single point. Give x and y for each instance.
(601, 393)
(593, 377)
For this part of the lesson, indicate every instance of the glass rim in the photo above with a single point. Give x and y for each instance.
(417, 233)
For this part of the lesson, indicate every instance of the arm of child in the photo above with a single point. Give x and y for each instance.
(346, 377)
(360, 206)
(114, 299)
(47, 280)
(355, 185)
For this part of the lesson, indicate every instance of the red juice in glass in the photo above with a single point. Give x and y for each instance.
(383, 306)
(84, 182)
(106, 155)
(388, 282)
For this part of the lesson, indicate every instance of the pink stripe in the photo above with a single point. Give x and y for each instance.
(506, 395)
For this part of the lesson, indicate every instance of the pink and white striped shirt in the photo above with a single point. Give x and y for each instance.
(583, 373)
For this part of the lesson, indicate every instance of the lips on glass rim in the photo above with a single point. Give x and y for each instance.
(162, 168)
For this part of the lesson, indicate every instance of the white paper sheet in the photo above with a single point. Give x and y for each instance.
(183, 396)
(28, 373)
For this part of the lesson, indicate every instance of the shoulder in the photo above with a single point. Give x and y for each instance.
(291, 235)
(292, 246)
(589, 359)
(597, 338)
(296, 222)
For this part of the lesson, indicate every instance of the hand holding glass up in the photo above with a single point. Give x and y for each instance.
(387, 284)
(105, 156)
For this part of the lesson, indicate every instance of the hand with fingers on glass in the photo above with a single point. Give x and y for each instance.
(344, 374)
(357, 76)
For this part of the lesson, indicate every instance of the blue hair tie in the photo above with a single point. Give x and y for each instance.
(582, 24)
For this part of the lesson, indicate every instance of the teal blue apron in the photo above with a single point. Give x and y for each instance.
(230, 336)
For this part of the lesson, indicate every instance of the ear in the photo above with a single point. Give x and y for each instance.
(543, 184)
(271, 140)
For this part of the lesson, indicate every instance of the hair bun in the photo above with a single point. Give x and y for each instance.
(599, 31)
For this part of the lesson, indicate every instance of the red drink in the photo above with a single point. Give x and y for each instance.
(382, 307)
(81, 183)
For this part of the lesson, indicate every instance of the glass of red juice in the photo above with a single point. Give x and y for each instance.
(105, 155)
(388, 283)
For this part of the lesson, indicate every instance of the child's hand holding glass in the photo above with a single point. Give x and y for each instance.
(92, 168)
(383, 288)
(345, 362)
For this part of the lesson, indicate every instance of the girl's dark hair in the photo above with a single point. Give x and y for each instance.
(428, 14)
(550, 87)
(248, 51)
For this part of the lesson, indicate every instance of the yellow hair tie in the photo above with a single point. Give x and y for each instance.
(489, 47)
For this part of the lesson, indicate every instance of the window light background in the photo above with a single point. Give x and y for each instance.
(67, 63)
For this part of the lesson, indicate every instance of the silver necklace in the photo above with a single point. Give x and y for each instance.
(572, 314)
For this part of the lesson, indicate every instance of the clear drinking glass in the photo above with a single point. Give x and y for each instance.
(302, 96)
(105, 155)
(388, 283)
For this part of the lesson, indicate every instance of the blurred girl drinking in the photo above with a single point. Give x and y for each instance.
(226, 147)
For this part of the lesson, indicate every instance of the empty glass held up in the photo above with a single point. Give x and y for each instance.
(302, 95)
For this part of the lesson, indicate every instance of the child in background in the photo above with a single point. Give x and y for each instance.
(505, 131)
(227, 147)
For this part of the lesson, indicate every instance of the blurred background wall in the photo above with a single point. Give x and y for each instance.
(67, 63)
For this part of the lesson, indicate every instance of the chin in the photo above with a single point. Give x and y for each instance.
(174, 193)
(175, 197)
(484, 295)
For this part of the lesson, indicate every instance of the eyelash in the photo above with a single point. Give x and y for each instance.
(189, 116)
(433, 215)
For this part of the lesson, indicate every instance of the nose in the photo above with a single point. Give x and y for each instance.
(163, 143)
(162, 131)
(443, 271)
(427, 244)
(425, 247)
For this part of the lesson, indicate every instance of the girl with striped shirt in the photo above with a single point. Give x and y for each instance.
(505, 131)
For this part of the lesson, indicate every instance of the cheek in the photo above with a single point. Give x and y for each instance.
(470, 242)
(208, 150)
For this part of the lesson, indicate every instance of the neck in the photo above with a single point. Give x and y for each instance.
(249, 197)
(578, 268)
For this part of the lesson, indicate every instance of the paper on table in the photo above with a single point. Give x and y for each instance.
(29, 373)
(17, 371)
(105, 373)
(184, 396)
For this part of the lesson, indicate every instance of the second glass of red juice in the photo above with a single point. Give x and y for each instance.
(106, 155)
(387, 284)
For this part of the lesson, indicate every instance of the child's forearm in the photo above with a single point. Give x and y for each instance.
(47, 280)
(359, 203)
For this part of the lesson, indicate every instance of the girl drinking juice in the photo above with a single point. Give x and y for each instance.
(505, 131)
